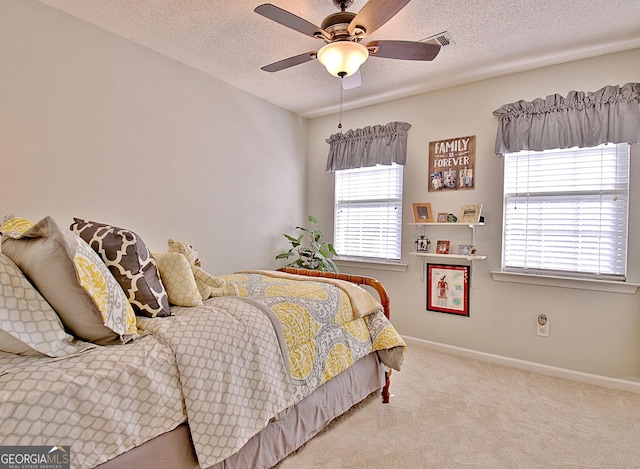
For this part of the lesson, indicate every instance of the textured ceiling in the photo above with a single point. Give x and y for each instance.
(227, 40)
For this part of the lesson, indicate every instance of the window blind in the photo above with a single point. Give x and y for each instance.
(368, 212)
(566, 211)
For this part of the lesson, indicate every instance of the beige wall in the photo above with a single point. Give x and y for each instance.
(92, 125)
(590, 331)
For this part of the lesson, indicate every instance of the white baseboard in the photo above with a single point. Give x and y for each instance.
(588, 378)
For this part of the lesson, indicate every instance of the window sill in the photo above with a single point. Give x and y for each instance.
(563, 282)
(370, 264)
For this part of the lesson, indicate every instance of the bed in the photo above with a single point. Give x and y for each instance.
(240, 379)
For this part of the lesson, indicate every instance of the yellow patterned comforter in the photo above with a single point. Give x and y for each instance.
(327, 326)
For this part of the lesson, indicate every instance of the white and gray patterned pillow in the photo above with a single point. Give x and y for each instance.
(28, 324)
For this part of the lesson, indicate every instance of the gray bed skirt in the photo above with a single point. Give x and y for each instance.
(174, 449)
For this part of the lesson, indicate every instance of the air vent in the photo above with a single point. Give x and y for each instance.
(443, 39)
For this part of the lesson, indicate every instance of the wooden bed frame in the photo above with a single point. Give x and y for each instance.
(358, 280)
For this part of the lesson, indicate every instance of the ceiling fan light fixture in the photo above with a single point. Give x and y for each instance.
(343, 58)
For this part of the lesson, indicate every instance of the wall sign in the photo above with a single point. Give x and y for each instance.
(452, 163)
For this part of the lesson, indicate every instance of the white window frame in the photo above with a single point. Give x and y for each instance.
(357, 235)
(529, 193)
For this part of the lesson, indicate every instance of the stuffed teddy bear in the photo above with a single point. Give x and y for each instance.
(208, 285)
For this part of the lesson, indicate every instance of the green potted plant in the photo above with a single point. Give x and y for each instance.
(311, 253)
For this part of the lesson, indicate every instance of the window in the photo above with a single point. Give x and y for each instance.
(566, 212)
(368, 212)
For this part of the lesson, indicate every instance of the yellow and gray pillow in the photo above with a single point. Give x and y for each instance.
(73, 280)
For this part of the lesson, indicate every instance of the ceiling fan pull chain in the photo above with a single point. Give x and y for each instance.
(341, 101)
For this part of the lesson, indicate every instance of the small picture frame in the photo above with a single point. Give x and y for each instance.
(422, 244)
(442, 217)
(442, 246)
(465, 249)
(470, 213)
(422, 212)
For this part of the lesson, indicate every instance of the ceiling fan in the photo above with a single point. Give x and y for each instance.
(342, 32)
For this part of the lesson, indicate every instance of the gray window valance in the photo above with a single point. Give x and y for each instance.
(582, 119)
(372, 145)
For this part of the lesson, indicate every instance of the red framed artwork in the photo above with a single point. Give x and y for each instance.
(448, 288)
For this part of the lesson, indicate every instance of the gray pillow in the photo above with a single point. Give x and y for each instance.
(130, 262)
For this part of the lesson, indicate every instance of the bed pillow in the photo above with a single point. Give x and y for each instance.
(28, 324)
(74, 281)
(15, 225)
(130, 262)
(178, 279)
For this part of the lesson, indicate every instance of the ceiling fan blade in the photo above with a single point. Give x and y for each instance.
(403, 50)
(374, 14)
(290, 62)
(287, 19)
(352, 81)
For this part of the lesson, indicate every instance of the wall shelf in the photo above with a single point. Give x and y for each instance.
(450, 256)
(472, 226)
(443, 257)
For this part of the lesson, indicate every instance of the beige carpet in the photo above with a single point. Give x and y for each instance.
(454, 412)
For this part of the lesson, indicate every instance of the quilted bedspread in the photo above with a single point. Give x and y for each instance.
(99, 403)
(328, 325)
(228, 367)
(233, 374)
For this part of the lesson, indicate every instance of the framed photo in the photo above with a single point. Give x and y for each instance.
(465, 249)
(448, 288)
(470, 213)
(422, 213)
(422, 244)
(442, 246)
(442, 217)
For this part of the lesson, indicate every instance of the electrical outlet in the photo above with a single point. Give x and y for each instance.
(543, 325)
